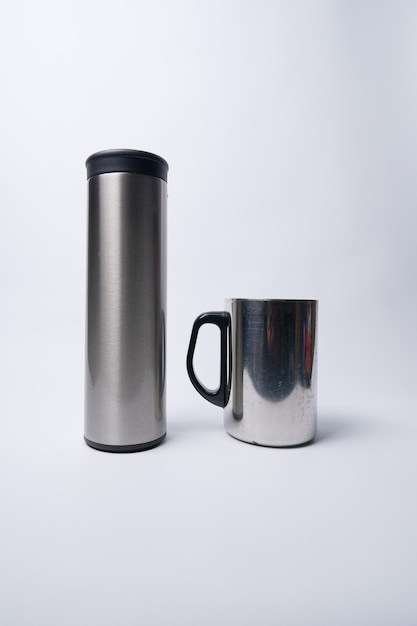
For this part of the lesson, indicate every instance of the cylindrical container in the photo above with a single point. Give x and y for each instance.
(126, 301)
(268, 373)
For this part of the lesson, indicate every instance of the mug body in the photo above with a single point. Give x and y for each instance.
(272, 400)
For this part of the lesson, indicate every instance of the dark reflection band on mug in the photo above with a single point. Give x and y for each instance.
(268, 377)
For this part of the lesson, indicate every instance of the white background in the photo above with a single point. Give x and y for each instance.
(290, 130)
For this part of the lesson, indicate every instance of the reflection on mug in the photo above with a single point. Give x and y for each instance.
(278, 347)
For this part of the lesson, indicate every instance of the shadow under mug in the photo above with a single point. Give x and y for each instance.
(268, 369)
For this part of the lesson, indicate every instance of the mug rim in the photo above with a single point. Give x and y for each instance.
(281, 300)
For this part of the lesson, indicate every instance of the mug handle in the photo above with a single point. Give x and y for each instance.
(220, 396)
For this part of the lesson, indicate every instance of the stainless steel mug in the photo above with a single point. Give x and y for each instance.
(126, 301)
(268, 369)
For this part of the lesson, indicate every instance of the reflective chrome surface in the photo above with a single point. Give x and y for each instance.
(126, 309)
(273, 392)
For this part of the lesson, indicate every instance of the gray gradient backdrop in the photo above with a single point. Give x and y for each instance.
(290, 129)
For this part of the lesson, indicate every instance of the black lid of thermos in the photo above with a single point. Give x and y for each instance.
(134, 161)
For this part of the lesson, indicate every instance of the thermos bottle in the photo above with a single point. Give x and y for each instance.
(126, 301)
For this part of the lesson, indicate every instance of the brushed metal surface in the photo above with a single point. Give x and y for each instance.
(126, 309)
(273, 388)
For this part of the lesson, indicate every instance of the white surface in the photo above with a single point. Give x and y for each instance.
(290, 131)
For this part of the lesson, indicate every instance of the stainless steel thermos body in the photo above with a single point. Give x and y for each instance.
(268, 380)
(126, 301)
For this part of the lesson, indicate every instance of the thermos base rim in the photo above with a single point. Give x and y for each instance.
(136, 447)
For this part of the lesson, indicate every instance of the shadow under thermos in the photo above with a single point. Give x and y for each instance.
(126, 301)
